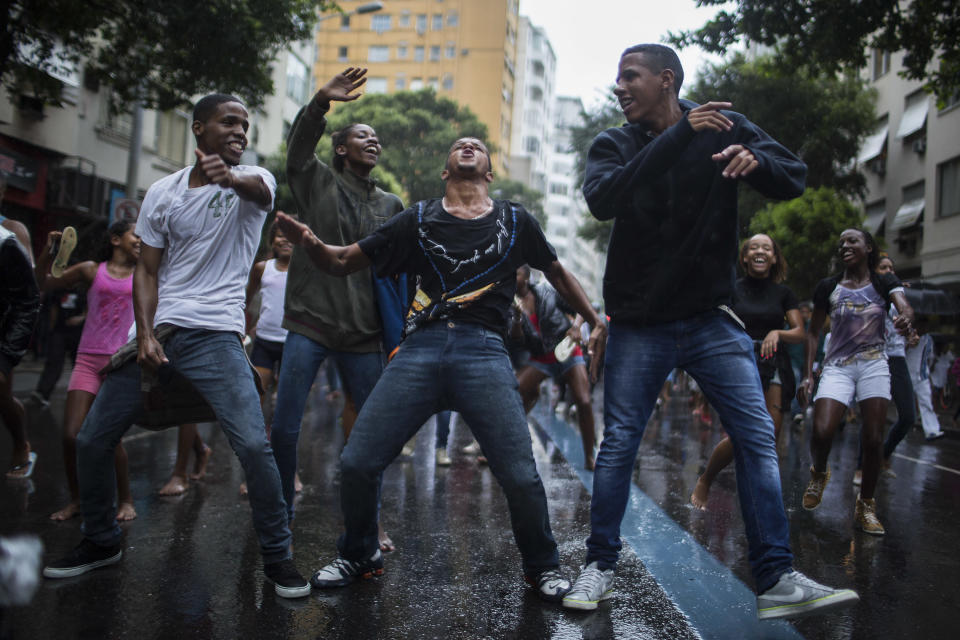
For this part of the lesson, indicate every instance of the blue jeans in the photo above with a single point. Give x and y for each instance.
(447, 365)
(214, 362)
(443, 429)
(302, 358)
(719, 356)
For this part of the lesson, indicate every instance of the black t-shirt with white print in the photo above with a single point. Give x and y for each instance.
(465, 270)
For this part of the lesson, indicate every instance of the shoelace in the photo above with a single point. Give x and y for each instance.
(550, 575)
(345, 567)
(590, 581)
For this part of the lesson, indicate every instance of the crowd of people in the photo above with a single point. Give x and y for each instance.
(431, 308)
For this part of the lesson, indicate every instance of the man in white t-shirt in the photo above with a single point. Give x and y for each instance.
(199, 231)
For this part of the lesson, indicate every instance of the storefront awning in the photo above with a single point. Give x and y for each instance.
(914, 117)
(873, 145)
(874, 222)
(907, 215)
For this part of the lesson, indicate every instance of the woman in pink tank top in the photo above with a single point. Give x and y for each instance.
(109, 317)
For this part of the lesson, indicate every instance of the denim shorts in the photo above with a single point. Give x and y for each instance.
(556, 369)
(860, 379)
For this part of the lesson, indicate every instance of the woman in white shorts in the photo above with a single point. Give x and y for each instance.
(855, 366)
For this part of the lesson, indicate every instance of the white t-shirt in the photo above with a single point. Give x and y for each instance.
(273, 286)
(210, 237)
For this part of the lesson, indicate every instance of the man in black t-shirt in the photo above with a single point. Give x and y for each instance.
(463, 251)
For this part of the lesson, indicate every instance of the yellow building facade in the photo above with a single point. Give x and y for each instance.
(464, 49)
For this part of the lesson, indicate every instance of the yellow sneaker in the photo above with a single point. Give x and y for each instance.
(866, 517)
(814, 493)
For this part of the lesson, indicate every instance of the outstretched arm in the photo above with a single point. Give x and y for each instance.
(570, 290)
(80, 273)
(337, 261)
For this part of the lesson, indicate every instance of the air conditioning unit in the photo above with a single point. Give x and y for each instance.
(920, 145)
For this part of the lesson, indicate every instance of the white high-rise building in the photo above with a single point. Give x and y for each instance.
(532, 106)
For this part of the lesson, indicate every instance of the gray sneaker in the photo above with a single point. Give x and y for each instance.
(796, 595)
(592, 586)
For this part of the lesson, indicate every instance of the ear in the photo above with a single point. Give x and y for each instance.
(666, 79)
(115, 240)
(444, 174)
(197, 128)
(488, 176)
(341, 150)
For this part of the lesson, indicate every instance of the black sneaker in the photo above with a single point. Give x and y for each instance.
(86, 556)
(551, 585)
(342, 572)
(287, 581)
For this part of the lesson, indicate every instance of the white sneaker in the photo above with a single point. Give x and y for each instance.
(443, 460)
(796, 595)
(471, 449)
(592, 586)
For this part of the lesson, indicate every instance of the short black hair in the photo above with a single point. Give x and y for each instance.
(662, 57)
(207, 105)
(338, 138)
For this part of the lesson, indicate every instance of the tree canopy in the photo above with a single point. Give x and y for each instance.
(808, 231)
(831, 36)
(531, 199)
(416, 130)
(163, 53)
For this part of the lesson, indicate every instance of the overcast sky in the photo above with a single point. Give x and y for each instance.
(588, 37)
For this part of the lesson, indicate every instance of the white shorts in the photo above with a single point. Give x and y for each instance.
(861, 379)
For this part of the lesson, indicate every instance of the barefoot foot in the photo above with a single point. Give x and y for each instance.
(126, 512)
(386, 544)
(200, 466)
(175, 486)
(70, 511)
(297, 485)
(243, 489)
(699, 496)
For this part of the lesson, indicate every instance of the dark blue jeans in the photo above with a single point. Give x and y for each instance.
(302, 358)
(719, 355)
(447, 365)
(214, 362)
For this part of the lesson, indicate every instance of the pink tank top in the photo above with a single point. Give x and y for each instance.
(109, 313)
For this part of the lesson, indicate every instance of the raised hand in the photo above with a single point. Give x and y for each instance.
(341, 86)
(215, 169)
(708, 116)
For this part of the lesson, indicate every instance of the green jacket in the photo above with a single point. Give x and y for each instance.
(341, 208)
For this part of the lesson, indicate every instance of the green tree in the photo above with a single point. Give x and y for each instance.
(832, 36)
(163, 53)
(607, 114)
(808, 229)
(531, 199)
(416, 129)
(823, 118)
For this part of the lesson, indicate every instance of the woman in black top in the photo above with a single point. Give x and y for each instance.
(762, 303)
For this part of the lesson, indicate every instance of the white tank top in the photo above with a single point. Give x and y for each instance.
(273, 285)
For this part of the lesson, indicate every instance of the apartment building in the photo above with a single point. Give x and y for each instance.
(912, 164)
(464, 49)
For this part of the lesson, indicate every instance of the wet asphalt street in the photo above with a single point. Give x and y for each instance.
(191, 566)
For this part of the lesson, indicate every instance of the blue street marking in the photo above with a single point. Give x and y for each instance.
(716, 602)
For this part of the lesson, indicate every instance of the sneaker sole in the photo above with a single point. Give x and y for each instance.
(822, 605)
(882, 532)
(586, 605)
(68, 242)
(69, 572)
(333, 584)
(291, 592)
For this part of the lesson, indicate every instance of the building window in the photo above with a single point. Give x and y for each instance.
(344, 23)
(418, 54)
(536, 94)
(297, 79)
(448, 81)
(400, 83)
(172, 127)
(434, 53)
(404, 19)
(538, 68)
(341, 54)
(421, 22)
(453, 19)
(881, 63)
(378, 53)
(416, 84)
(376, 85)
(948, 188)
(451, 51)
(437, 22)
(952, 100)
(434, 83)
(402, 51)
(531, 144)
(112, 121)
(558, 188)
(380, 23)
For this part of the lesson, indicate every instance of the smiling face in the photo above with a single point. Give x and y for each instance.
(640, 90)
(468, 156)
(224, 133)
(885, 266)
(853, 249)
(758, 256)
(129, 243)
(361, 149)
(282, 248)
